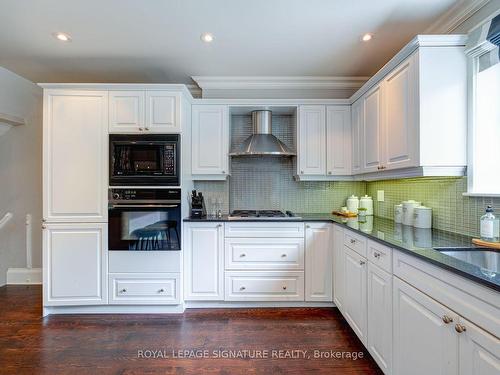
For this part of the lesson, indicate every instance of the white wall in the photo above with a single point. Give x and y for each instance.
(20, 171)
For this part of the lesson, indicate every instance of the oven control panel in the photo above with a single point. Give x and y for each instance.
(118, 195)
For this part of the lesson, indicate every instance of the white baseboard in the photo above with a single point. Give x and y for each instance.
(24, 276)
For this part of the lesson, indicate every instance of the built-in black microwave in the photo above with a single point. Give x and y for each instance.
(144, 160)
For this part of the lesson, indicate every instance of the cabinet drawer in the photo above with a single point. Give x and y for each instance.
(264, 286)
(266, 229)
(264, 253)
(380, 255)
(139, 289)
(355, 242)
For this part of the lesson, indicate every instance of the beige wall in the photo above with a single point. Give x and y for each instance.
(20, 171)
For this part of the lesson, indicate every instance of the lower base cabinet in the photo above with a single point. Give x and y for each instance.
(380, 317)
(144, 289)
(355, 299)
(75, 264)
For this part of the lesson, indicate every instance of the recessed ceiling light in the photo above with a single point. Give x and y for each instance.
(63, 37)
(207, 37)
(367, 37)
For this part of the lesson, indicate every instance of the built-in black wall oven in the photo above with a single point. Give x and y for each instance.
(144, 219)
(144, 160)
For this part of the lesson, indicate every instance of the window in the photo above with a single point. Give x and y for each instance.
(484, 113)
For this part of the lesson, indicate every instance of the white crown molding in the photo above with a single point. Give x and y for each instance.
(455, 16)
(194, 90)
(450, 40)
(276, 83)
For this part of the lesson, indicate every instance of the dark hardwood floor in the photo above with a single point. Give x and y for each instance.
(119, 344)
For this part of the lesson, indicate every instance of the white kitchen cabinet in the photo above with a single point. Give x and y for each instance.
(372, 131)
(319, 259)
(210, 141)
(75, 264)
(204, 261)
(479, 352)
(338, 267)
(338, 140)
(312, 145)
(163, 112)
(357, 119)
(400, 104)
(380, 317)
(423, 342)
(75, 156)
(355, 298)
(126, 111)
(144, 111)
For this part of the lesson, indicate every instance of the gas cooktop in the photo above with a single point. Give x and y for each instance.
(262, 214)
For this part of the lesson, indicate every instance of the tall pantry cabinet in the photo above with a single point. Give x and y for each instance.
(75, 180)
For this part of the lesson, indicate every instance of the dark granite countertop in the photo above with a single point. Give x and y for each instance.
(414, 241)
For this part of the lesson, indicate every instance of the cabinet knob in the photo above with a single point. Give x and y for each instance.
(379, 167)
(284, 287)
(376, 255)
(161, 290)
(44, 220)
(223, 172)
(141, 129)
(219, 225)
(447, 319)
(146, 128)
(243, 255)
(460, 328)
(361, 262)
(242, 288)
(329, 172)
(123, 291)
(353, 240)
(44, 227)
(308, 226)
(283, 255)
(301, 172)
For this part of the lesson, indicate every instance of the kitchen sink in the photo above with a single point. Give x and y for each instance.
(488, 260)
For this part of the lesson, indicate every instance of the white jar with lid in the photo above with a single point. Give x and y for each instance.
(422, 217)
(408, 211)
(353, 204)
(366, 202)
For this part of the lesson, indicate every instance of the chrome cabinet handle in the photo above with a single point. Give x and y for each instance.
(123, 291)
(353, 240)
(242, 288)
(361, 262)
(283, 255)
(146, 128)
(376, 255)
(447, 319)
(141, 129)
(460, 328)
(284, 287)
(243, 255)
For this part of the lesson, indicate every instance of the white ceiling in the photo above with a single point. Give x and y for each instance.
(159, 40)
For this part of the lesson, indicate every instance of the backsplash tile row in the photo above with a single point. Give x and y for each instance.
(451, 211)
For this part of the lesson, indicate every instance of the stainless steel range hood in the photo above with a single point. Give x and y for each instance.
(262, 142)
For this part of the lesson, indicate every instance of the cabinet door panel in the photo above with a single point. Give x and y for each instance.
(163, 112)
(479, 351)
(372, 130)
(338, 137)
(357, 136)
(126, 111)
(318, 262)
(75, 149)
(210, 140)
(338, 267)
(355, 303)
(380, 317)
(401, 135)
(74, 264)
(312, 135)
(204, 261)
(423, 343)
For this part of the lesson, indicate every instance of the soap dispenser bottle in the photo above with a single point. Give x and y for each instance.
(490, 226)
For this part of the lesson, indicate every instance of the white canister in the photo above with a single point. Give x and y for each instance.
(422, 217)
(408, 211)
(353, 204)
(366, 202)
(422, 237)
(398, 213)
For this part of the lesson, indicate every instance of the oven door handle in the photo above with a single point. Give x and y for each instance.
(144, 206)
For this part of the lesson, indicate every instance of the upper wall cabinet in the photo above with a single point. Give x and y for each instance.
(153, 111)
(210, 142)
(324, 138)
(410, 120)
(75, 156)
